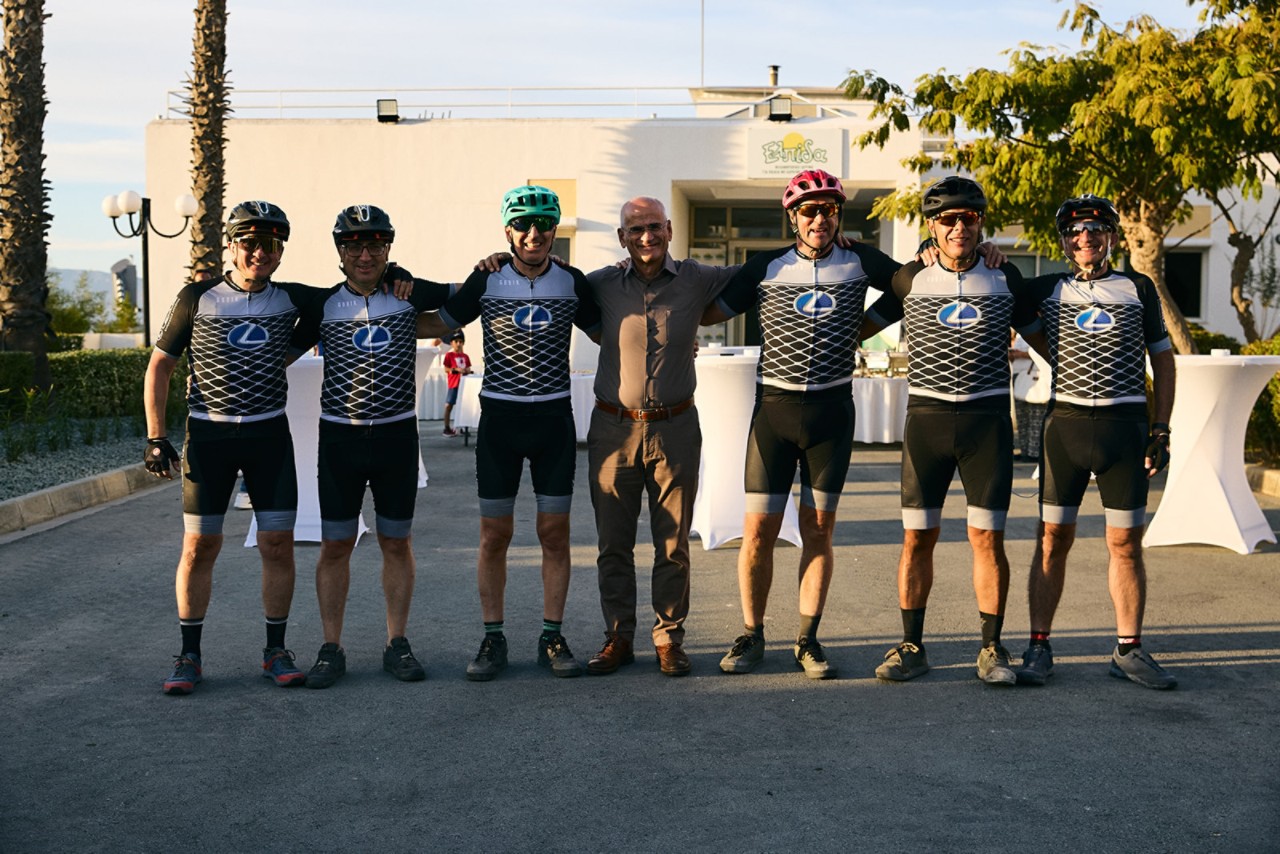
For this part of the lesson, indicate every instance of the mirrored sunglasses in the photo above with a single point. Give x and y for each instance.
(1087, 225)
(525, 223)
(950, 218)
(270, 245)
(811, 210)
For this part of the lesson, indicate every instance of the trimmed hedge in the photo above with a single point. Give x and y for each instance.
(88, 384)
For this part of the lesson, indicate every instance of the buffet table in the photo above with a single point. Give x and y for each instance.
(1207, 498)
(303, 409)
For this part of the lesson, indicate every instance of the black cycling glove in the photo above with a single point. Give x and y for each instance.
(1158, 447)
(159, 456)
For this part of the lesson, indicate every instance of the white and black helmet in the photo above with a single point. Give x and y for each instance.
(363, 222)
(953, 193)
(261, 218)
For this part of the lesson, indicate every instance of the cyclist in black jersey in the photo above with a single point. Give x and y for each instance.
(238, 332)
(368, 432)
(810, 296)
(527, 309)
(956, 314)
(1101, 325)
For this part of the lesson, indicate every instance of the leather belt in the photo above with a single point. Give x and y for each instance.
(661, 413)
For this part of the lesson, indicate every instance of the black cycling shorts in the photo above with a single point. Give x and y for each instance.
(1112, 446)
(383, 457)
(976, 440)
(504, 441)
(790, 430)
(216, 451)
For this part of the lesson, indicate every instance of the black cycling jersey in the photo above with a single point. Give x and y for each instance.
(810, 311)
(1099, 333)
(527, 332)
(370, 350)
(238, 341)
(958, 325)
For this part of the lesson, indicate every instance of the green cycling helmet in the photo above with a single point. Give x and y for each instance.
(530, 200)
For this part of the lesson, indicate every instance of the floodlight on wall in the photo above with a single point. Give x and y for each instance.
(388, 110)
(779, 110)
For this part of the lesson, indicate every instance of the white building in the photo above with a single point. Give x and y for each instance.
(714, 155)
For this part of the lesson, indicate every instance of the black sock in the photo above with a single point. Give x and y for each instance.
(1040, 639)
(191, 635)
(494, 629)
(551, 628)
(992, 625)
(758, 631)
(913, 626)
(275, 631)
(1128, 644)
(809, 627)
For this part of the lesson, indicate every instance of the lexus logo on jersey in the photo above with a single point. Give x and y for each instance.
(959, 315)
(248, 336)
(1094, 319)
(531, 318)
(371, 339)
(815, 304)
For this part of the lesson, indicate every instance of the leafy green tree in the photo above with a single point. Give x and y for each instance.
(1136, 115)
(76, 311)
(125, 318)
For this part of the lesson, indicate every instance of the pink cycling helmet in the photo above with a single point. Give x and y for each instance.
(810, 183)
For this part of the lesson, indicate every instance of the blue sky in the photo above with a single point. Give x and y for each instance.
(109, 63)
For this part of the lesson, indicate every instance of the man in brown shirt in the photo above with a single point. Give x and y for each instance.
(644, 436)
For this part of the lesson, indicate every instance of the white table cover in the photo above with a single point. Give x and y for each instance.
(881, 407)
(467, 411)
(1207, 497)
(303, 409)
(726, 396)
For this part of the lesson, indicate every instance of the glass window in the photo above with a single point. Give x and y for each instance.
(709, 223)
(1182, 275)
(760, 223)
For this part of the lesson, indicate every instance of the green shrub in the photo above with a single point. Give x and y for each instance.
(16, 371)
(1207, 341)
(1262, 440)
(65, 342)
(101, 383)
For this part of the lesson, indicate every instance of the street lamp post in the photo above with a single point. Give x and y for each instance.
(130, 203)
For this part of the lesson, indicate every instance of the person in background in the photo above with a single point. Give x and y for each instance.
(457, 364)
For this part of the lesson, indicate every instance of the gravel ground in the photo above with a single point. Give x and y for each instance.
(33, 472)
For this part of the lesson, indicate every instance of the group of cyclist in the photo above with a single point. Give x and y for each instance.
(958, 301)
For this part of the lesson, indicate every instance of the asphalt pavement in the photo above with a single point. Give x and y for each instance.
(93, 757)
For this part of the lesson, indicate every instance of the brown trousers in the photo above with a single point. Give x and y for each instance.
(628, 459)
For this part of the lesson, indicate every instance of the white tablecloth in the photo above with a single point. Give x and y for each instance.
(726, 396)
(467, 412)
(1207, 497)
(881, 406)
(303, 409)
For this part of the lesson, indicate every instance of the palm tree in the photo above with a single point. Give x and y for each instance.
(207, 90)
(24, 197)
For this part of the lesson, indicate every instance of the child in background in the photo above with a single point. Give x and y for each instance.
(456, 363)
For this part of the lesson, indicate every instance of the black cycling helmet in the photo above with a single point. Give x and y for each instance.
(1087, 206)
(257, 218)
(953, 193)
(363, 222)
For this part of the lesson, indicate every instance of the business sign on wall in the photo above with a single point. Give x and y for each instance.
(781, 150)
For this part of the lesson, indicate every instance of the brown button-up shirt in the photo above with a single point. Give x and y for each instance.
(648, 331)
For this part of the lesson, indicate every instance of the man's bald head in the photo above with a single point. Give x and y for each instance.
(646, 206)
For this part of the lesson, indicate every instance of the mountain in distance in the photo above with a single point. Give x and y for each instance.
(98, 280)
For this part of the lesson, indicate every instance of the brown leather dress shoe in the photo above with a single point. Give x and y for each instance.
(616, 652)
(673, 661)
